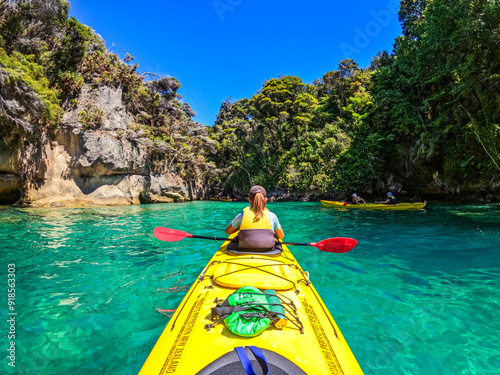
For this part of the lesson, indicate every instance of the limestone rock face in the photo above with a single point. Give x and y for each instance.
(8, 160)
(104, 153)
(103, 101)
(165, 189)
(18, 103)
(82, 164)
(9, 188)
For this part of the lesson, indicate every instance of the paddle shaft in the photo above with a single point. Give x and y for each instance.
(298, 243)
(233, 240)
(330, 245)
(211, 238)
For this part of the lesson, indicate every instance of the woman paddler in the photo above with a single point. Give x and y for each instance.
(257, 225)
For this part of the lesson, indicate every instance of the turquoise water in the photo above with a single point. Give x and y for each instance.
(418, 295)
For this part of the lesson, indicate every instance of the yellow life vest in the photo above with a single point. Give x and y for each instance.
(256, 234)
(248, 220)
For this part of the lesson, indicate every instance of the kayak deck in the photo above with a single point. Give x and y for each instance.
(376, 206)
(311, 341)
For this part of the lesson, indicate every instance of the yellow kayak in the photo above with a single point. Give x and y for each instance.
(310, 343)
(376, 206)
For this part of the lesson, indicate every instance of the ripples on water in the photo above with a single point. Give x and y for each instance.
(418, 295)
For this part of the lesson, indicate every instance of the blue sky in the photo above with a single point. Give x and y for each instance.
(227, 48)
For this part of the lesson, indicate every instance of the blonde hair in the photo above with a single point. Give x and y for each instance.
(258, 204)
(258, 201)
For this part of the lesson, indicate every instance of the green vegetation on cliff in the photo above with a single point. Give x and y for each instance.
(47, 57)
(299, 137)
(431, 109)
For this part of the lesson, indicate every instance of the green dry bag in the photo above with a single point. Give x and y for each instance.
(252, 320)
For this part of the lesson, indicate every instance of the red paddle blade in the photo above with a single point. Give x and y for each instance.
(336, 245)
(170, 235)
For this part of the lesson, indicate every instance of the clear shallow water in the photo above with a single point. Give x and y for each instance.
(420, 294)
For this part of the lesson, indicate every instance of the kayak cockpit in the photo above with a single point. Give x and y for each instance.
(234, 249)
(230, 363)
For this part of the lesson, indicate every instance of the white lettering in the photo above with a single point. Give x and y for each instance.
(383, 17)
(393, 6)
(372, 29)
(348, 50)
(360, 40)
(221, 8)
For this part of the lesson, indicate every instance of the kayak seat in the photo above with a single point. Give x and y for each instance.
(230, 364)
(233, 248)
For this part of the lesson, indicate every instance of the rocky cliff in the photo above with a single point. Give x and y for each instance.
(81, 126)
(109, 164)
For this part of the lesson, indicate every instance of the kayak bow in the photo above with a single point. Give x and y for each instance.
(310, 343)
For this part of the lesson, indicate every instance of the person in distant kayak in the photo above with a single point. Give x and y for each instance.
(257, 225)
(356, 199)
(391, 199)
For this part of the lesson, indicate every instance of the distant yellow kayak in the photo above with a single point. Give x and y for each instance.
(310, 343)
(376, 206)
